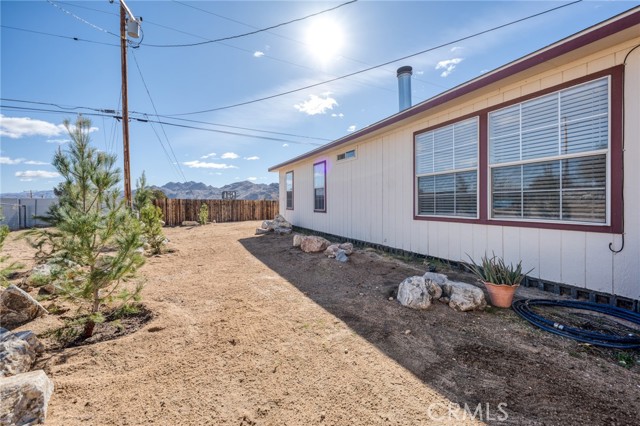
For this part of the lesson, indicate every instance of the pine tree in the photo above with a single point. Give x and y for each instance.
(95, 238)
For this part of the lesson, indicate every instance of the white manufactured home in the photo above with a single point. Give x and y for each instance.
(538, 161)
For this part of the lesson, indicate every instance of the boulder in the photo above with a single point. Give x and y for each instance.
(18, 307)
(341, 255)
(332, 250)
(314, 244)
(297, 240)
(282, 231)
(463, 296)
(24, 398)
(280, 222)
(347, 247)
(16, 355)
(438, 278)
(31, 338)
(262, 231)
(413, 293)
(190, 223)
(267, 224)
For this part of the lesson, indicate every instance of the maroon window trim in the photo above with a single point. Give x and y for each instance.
(324, 163)
(615, 226)
(287, 192)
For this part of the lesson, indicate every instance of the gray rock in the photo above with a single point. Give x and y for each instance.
(280, 222)
(267, 224)
(18, 307)
(262, 231)
(438, 278)
(44, 270)
(332, 250)
(16, 355)
(190, 223)
(413, 293)
(314, 244)
(24, 398)
(282, 231)
(341, 255)
(463, 296)
(297, 240)
(347, 247)
(31, 338)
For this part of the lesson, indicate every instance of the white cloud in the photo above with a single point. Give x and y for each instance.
(455, 48)
(229, 156)
(285, 145)
(26, 180)
(252, 178)
(59, 141)
(351, 128)
(341, 115)
(213, 154)
(254, 157)
(19, 127)
(448, 66)
(316, 105)
(258, 54)
(37, 174)
(204, 165)
(7, 160)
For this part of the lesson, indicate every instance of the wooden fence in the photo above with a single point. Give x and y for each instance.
(176, 211)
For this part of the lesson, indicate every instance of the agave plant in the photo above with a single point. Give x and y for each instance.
(495, 270)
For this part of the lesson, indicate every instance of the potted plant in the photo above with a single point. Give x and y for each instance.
(500, 279)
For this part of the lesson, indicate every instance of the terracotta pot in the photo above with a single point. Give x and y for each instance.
(501, 295)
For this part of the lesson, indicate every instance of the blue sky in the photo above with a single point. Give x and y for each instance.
(67, 76)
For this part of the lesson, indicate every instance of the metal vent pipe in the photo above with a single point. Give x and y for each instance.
(404, 86)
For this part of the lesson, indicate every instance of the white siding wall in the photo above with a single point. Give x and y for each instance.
(370, 198)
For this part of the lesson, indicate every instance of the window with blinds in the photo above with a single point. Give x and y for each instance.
(548, 156)
(446, 170)
(319, 184)
(289, 189)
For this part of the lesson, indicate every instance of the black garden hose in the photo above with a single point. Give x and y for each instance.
(630, 341)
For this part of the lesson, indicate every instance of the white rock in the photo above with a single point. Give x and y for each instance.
(24, 398)
(332, 250)
(17, 307)
(297, 240)
(438, 278)
(16, 355)
(282, 230)
(463, 296)
(347, 247)
(261, 231)
(267, 224)
(413, 293)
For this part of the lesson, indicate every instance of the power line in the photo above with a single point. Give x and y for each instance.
(141, 120)
(111, 111)
(163, 131)
(288, 92)
(59, 36)
(84, 21)
(245, 34)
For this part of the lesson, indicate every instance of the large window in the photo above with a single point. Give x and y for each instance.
(319, 185)
(548, 157)
(446, 170)
(289, 188)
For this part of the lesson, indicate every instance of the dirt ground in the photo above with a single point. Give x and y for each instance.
(248, 330)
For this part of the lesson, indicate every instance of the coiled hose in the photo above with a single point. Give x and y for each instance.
(630, 341)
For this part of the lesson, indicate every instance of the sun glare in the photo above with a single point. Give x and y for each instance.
(325, 39)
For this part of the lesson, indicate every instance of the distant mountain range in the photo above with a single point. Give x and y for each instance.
(245, 190)
(197, 190)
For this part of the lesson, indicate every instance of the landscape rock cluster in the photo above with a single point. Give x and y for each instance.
(419, 292)
(316, 244)
(24, 394)
(279, 225)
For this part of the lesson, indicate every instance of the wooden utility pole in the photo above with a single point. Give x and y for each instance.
(125, 104)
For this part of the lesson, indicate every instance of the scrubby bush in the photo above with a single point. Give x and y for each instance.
(151, 221)
(203, 215)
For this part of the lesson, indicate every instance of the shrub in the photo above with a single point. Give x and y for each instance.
(203, 215)
(151, 221)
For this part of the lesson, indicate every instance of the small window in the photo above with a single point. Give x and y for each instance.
(319, 185)
(289, 189)
(347, 155)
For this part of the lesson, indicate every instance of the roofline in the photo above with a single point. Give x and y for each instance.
(580, 39)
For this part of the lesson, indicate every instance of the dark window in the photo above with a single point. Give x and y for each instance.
(319, 186)
(289, 188)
